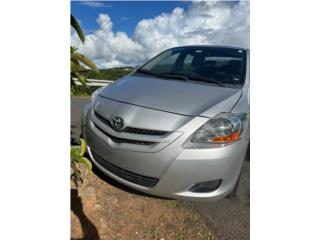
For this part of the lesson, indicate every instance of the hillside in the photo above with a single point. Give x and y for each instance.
(108, 74)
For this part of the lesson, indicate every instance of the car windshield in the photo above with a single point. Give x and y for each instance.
(216, 65)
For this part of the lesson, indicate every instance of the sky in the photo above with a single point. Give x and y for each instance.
(129, 33)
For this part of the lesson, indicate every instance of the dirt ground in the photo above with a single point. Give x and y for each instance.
(102, 209)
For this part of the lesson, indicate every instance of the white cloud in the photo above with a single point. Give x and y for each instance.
(124, 18)
(225, 23)
(94, 4)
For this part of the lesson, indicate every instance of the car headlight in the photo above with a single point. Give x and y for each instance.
(223, 128)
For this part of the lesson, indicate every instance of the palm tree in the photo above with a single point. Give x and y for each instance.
(78, 63)
(78, 60)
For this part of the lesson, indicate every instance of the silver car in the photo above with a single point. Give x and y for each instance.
(177, 127)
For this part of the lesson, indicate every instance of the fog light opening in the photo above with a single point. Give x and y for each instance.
(205, 187)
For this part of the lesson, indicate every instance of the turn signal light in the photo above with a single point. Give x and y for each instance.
(231, 138)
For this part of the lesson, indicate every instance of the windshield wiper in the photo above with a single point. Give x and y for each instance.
(202, 79)
(177, 75)
(147, 72)
(161, 75)
(198, 78)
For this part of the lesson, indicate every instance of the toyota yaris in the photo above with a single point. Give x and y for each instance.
(178, 126)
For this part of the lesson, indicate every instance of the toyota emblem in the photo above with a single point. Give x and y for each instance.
(117, 123)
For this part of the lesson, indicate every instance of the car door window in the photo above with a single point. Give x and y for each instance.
(187, 63)
(166, 64)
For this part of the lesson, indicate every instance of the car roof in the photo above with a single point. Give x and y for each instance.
(213, 46)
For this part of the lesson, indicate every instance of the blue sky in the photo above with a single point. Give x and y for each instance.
(124, 14)
(129, 33)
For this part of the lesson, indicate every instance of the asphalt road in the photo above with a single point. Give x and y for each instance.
(229, 219)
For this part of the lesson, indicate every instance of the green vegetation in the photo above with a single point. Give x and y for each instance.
(83, 68)
(77, 65)
(79, 62)
(77, 157)
(105, 74)
(108, 74)
(77, 28)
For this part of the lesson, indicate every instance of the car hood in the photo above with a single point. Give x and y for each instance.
(185, 98)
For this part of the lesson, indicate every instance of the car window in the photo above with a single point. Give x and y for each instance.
(215, 64)
(165, 64)
(187, 62)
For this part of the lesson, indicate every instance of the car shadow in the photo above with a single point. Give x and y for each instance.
(88, 228)
(121, 186)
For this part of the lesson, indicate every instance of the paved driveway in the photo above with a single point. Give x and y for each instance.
(228, 219)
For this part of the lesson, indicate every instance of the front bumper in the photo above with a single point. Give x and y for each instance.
(176, 168)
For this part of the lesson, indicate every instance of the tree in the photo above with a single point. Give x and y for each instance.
(78, 63)
(78, 60)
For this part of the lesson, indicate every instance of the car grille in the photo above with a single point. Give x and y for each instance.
(132, 130)
(123, 140)
(127, 175)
